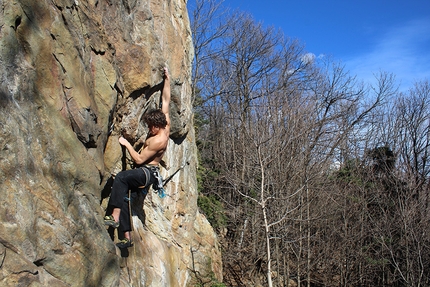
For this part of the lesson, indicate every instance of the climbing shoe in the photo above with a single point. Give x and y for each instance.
(110, 221)
(124, 243)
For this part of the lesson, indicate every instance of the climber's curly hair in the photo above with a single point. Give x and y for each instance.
(155, 118)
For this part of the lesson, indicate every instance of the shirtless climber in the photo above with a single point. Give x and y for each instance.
(158, 122)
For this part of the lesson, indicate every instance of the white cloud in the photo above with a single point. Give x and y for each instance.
(308, 58)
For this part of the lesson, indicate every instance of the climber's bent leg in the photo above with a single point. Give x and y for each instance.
(124, 180)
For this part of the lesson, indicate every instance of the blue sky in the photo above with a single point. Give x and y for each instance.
(367, 36)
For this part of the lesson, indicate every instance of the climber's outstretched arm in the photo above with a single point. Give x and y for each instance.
(165, 97)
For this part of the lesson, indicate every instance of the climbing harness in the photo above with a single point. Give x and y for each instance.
(154, 171)
(158, 184)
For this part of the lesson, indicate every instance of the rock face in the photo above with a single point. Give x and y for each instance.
(75, 75)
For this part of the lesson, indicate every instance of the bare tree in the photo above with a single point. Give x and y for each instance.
(323, 179)
(408, 187)
(209, 24)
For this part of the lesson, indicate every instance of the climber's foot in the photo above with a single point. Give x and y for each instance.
(110, 221)
(124, 243)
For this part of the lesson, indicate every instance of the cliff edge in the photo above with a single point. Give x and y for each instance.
(75, 76)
